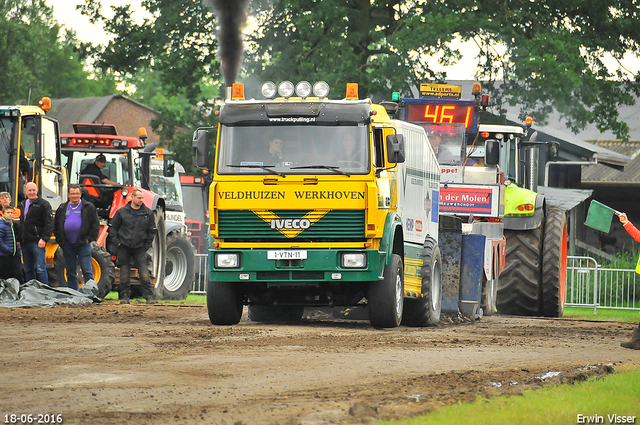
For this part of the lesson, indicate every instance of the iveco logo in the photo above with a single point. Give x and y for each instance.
(297, 223)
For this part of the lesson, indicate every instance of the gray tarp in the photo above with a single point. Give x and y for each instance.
(37, 294)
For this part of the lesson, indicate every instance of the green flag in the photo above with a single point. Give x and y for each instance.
(599, 216)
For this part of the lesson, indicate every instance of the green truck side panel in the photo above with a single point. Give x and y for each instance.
(386, 243)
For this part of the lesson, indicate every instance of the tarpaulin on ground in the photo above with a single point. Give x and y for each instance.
(37, 294)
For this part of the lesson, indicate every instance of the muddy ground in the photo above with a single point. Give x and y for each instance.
(109, 363)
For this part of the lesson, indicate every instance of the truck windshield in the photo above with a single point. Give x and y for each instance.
(167, 187)
(447, 141)
(294, 150)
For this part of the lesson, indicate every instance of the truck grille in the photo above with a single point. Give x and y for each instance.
(335, 225)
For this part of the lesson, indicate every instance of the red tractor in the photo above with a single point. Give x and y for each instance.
(128, 162)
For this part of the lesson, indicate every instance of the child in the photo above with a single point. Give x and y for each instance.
(8, 244)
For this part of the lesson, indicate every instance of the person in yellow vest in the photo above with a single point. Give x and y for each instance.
(634, 344)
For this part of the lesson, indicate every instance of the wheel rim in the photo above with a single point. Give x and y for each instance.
(176, 271)
(97, 272)
(399, 294)
(435, 287)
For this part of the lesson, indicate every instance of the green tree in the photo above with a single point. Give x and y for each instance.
(543, 55)
(38, 60)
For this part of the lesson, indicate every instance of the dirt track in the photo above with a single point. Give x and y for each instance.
(107, 363)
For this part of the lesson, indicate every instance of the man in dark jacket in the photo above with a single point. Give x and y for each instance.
(37, 228)
(132, 229)
(76, 225)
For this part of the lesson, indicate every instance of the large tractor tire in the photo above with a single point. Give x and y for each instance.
(519, 283)
(275, 313)
(426, 311)
(180, 267)
(386, 296)
(102, 266)
(554, 263)
(158, 254)
(224, 303)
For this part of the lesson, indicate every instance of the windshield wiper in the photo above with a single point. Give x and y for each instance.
(262, 167)
(326, 167)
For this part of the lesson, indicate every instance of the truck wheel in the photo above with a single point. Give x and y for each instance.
(158, 253)
(102, 266)
(425, 311)
(180, 267)
(386, 296)
(224, 303)
(519, 283)
(275, 313)
(554, 263)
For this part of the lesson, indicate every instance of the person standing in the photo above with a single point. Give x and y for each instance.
(37, 228)
(634, 344)
(133, 228)
(76, 225)
(5, 201)
(8, 244)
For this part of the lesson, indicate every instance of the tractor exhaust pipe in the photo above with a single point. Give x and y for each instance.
(227, 93)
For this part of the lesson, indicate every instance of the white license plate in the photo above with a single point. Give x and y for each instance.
(286, 255)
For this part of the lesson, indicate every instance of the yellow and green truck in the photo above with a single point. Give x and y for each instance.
(319, 202)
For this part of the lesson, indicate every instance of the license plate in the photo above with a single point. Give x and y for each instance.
(286, 255)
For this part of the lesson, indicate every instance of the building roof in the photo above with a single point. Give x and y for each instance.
(564, 198)
(87, 110)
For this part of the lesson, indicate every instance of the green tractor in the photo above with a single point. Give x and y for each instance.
(534, 278)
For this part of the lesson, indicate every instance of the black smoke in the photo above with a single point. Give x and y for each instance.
(231, 16)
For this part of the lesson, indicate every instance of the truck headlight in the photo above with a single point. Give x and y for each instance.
(227, 260)
(353, 260)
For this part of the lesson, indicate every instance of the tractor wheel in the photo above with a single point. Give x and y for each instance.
(386, 296)
(57, 275)
(425, 311)
(101, 264)
(158, 254)
(554, 263)
(180, 267)
(275, 313)
(224, 303)
(519, 283)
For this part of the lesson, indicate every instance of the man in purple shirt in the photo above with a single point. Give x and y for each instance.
(76, 225)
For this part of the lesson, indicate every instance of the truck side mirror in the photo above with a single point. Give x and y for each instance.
(395, 148)
(200, 148)
(492, 152)
(169, 168)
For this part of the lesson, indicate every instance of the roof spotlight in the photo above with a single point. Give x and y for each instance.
(303, 89)
(285, 89)
(321, 89)
(269, 89)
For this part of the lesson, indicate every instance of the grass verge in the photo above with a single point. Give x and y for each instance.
(604, 314)
(616, 394)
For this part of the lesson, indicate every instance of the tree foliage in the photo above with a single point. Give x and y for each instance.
(40, 61)
(542, 55)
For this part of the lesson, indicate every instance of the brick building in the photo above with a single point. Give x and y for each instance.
(125, 113)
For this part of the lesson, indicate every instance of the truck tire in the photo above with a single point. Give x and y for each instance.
(102, 266)
(519, 283)
(275, 313)
(224, 303)
(158, 254)
(425, 311)
(179, 268)
(554, 263)
(386, 296)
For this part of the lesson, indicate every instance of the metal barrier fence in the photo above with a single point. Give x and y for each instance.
(200, 279)
(590, 285)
